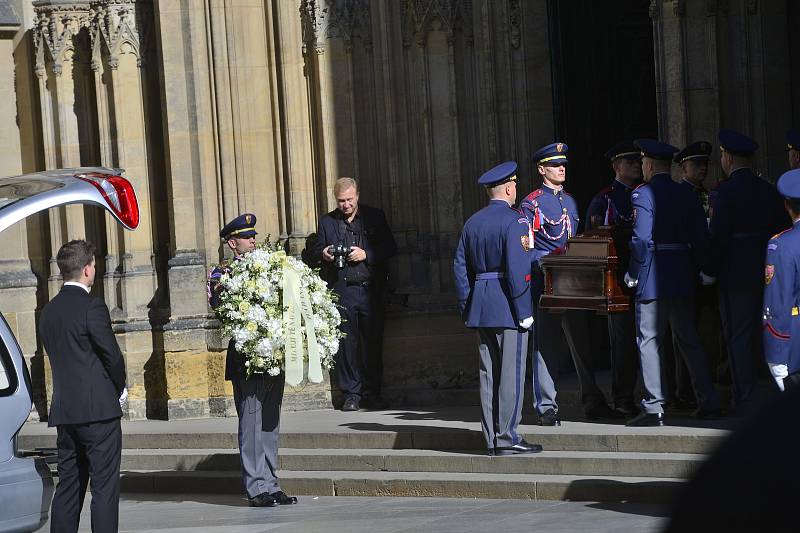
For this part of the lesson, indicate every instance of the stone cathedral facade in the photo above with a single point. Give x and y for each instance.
(217, 107)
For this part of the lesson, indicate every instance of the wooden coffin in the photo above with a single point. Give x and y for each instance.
(586, 275)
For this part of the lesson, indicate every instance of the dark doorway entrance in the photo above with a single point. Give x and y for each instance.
(603, 84)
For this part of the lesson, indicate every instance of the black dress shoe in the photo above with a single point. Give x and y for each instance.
(679, 404)
(549, 418)
(350, 404)
(283, 499)
(603, 412)
(521, 447)
(708, 414)
(263, 500)
(627, 409)
(646, 419)
(374, 402)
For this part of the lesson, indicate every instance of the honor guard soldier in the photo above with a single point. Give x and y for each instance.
(793, 148)
(693, 161)
(693, 164)
(745, 213)
(612, 207)
(492, 274)
(782, 292)
(257, 398)
(669, 237)
(553, 215)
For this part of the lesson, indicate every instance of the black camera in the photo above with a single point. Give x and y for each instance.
(340, 252)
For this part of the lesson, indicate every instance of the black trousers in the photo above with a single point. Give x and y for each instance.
(359, 363)
(87, 451)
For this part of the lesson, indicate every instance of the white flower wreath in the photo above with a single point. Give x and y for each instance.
(276, 308)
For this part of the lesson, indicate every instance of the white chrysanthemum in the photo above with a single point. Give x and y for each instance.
(252, 310)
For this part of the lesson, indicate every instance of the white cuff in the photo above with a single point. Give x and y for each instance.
(123, 398)
(707, 280)
(526, 323)
(630, 282)
(778, 371)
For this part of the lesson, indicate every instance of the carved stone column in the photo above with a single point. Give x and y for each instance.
(56, 29)
(17, 281)
(120, 34)
(702, 87)
(671, 91)
(297, 170)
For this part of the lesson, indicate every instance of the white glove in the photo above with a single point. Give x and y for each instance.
(123, 398)
(527, 323)
(778, 371)
(630, 282)
(707, 280)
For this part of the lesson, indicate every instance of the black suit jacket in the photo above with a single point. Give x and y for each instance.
(377, 241)
(87, 364)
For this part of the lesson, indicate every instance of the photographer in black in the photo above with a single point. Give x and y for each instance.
(354, 243)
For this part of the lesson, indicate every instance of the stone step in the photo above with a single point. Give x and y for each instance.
(627, 464)
(437, 484)
(584, 437)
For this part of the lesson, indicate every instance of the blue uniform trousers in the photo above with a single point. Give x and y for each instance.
(740, 311)
(503, 354)
(652, 319)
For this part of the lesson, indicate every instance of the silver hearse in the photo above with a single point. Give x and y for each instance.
(26, 485)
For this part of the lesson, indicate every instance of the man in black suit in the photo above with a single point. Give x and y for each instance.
(88, 391)
(354, 243)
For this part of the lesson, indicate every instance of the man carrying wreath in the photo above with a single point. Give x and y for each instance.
(257, 398)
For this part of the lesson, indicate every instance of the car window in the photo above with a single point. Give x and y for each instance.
(8, 375)
(6, 371)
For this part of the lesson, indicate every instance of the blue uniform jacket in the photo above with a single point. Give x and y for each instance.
(670, 239)
(492, 268)
(700, 193)
(782, 300)
(553, 218)
(612, 205)
(746, 211)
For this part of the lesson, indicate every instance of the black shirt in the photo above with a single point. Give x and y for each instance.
(369, 231)
(352, 234)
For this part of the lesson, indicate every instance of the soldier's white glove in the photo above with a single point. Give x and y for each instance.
(123, 398)
(707, 280)
(778, 371)
(630, 282)
(526, 323)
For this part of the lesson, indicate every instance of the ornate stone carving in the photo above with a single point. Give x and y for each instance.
(654, 9)
(514, 22)
(124, 27)
(679, 7)
(54, 29)
(335, 19)
(424, 16)
(752, 7)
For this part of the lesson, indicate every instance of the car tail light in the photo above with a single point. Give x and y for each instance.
(118, 193)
